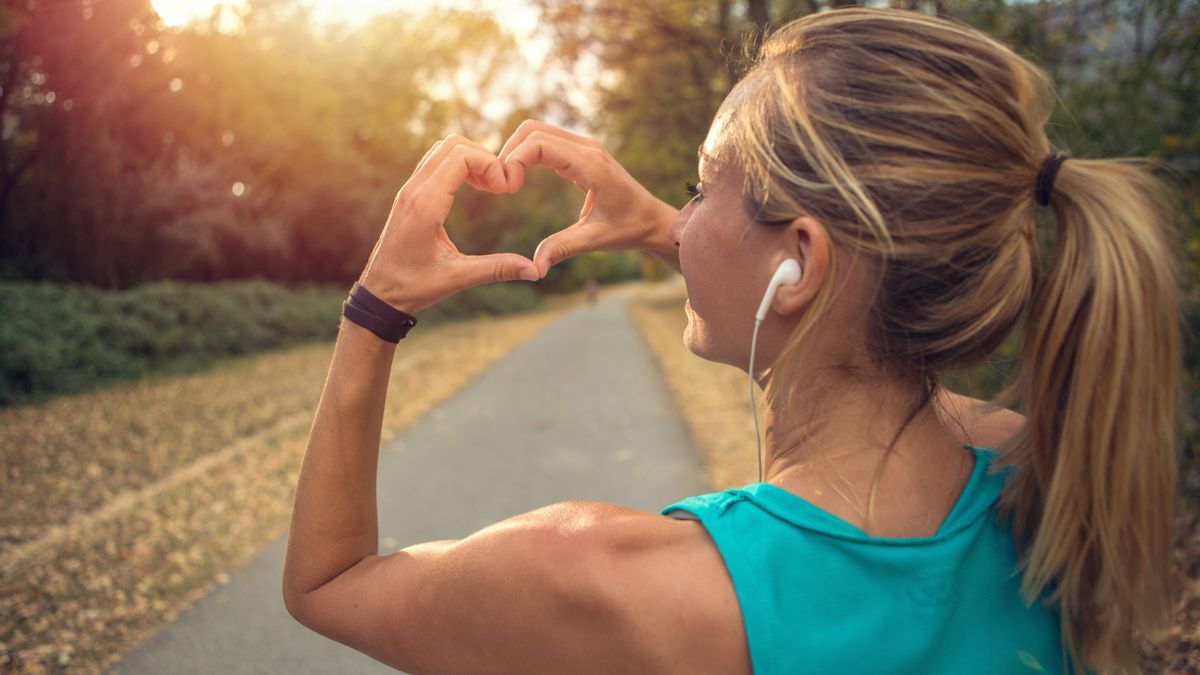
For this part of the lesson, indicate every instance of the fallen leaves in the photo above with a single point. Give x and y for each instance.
(147, 494)
(76, 453)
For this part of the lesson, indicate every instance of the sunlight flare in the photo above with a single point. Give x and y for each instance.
(183, 12)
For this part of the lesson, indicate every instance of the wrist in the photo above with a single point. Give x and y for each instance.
(391, 292)
(365, 340)
(373, 313)
(656, 241)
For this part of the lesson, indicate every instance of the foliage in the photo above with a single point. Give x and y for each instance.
(272, 151)
(62, 338)
(481, 301)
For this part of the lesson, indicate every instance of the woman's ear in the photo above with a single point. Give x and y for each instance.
(807, 242)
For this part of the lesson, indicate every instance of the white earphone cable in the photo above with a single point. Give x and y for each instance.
(788, 272)
(753, 407)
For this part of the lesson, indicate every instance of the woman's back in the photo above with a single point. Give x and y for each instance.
(820, 595)
(957, 580)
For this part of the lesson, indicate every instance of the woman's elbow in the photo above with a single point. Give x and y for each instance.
(294, 601)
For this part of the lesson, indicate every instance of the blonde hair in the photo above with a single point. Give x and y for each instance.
(916, 141)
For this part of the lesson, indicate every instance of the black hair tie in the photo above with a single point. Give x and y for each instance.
(1045, 177)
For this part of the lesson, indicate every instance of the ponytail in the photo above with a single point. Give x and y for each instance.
(1091, 503)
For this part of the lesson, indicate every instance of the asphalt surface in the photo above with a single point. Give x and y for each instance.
(578, 412)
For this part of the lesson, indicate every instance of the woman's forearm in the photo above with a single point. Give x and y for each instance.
(334, 520)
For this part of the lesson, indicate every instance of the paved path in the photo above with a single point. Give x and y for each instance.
(578, 412)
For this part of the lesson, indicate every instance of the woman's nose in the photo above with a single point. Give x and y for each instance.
(675, 232)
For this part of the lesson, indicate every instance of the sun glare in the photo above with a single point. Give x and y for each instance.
(182, 12)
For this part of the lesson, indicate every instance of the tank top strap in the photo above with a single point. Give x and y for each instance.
(734, 540)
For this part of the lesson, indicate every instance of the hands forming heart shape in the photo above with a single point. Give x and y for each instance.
(415, 265)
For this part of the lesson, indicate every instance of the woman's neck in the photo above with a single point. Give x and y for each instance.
(832, 445)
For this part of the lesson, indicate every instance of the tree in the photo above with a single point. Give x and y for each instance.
(271, 149)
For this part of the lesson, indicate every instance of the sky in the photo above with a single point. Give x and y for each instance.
(518, 16)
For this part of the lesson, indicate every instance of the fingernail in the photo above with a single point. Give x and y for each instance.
(529, 275)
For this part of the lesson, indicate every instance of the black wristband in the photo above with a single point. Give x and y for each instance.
(365, 299)
(386, 331)
(368, 311)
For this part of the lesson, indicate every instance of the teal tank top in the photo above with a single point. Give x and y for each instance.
(819, 595)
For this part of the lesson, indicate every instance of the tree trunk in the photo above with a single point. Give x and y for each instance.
(759, 13)
(723, 29)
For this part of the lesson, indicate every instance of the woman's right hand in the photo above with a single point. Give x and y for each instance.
(618, 213)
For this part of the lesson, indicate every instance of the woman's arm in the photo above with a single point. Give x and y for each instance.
(334, 523)
(413, 266)
(540, 592)
(554, 590)
(403, 608)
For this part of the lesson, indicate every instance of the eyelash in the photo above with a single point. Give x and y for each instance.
(694, 191)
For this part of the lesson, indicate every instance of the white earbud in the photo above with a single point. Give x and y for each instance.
(788, 273)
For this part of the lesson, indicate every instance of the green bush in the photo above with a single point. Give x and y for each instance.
(58, 338)
(490, 299)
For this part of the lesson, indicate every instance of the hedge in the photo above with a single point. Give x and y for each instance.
(60, 338)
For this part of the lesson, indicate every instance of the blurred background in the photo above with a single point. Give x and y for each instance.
(196, 141)
(184, 182)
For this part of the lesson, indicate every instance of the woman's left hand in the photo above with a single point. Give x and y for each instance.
(414, 264)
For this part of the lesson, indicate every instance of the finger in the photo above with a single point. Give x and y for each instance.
(459, 163)
(529, 126)
(494, 183)
(487, 269)
(572, 160)
(412, 178)
(425, 158)
(475, 182)
(561, 245)
(442, 149)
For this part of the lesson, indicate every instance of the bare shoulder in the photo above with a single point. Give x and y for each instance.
(574, 587)
(977, 422)
(667, 582)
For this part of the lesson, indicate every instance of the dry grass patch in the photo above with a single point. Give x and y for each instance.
(125, 505)
(714, 398)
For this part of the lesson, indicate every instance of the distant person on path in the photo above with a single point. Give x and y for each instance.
(900, 160)
(591, 287)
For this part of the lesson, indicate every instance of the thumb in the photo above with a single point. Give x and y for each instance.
(488, 269)
(557, 248)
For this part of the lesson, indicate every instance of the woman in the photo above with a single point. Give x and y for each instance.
(900, 160)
